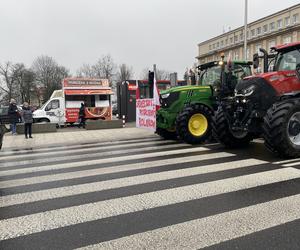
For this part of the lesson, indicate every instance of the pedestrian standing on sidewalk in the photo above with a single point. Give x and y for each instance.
(27, 119)
(14, 116)
(82, 116)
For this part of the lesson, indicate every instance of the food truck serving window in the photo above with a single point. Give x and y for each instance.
(74, 101)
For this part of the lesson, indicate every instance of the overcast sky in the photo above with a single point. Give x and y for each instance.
(136, 32)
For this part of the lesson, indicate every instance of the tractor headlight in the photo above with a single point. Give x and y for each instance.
(164, 96)
(248, 91)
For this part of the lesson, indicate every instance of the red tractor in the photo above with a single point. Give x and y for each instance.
(266, 105)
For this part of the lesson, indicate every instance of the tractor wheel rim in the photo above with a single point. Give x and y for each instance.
(198, 124)
(293, 129)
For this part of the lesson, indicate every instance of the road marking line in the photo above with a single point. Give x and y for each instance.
(81, 150)
(211, 230)
(112, 159)
(119, 168)
(100, 154)
(121, 182)
(63, 147)
(39, 222)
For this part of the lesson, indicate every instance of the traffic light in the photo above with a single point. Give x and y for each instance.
(151, 77)
(151, 83)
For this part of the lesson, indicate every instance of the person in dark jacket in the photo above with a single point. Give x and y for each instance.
(14, 116)
(27, 119)
(82, 116)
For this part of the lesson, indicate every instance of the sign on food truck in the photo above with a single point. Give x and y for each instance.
(63, 106)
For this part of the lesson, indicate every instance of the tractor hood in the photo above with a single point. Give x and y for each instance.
(183, 88)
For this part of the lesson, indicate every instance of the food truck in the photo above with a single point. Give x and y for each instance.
(63, 105)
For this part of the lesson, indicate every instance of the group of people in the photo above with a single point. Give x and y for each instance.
(25, 114)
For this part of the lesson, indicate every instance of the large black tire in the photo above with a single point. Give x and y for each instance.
(222, 132)
(184, 119)
(167, 135)
(276, 129)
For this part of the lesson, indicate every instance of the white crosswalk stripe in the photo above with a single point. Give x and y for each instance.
(70, 190)
(104, 185)
(123, 167)
(80, 150)
(213, 229)
(79, 156)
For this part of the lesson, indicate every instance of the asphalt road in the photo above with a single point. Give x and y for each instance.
(148, 194)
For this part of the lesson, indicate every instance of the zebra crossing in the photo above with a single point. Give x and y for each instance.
(148, 194)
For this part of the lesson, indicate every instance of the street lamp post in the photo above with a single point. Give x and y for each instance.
(245, 30)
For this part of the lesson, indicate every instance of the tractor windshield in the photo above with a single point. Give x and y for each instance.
(287, 60)
(211, 76)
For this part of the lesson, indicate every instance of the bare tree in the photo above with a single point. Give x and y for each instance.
(48, 74)
(24, 82)
(7, 83)
(104, 67)
(144, 74)
(10, 78)
(86, 70)
(161, 74)
(124, 73)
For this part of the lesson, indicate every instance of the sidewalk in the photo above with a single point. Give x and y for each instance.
(73, 136)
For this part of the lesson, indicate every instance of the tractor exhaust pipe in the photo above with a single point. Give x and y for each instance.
(266, 59)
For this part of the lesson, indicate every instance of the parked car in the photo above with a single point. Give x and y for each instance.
(4, 117)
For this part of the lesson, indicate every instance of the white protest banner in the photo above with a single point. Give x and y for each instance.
(145, 114)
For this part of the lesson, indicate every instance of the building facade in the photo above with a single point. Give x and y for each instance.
(278, 28)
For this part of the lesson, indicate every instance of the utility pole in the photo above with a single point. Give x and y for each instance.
(154, 70)
(245, 30)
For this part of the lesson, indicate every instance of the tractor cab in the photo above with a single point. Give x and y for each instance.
(266, 104)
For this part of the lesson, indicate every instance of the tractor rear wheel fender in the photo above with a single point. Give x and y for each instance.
(193, 123)
(280, 128)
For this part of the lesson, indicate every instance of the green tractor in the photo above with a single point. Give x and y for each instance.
(186, 111)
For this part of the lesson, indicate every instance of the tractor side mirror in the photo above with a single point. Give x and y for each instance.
(255, 61)
(298, 70)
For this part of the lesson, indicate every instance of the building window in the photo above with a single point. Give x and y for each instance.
(247, 34)
(295, 18)
(214, 46)
(226, 41)
(236, 39)
(241, 37)
(272, 26)
(287, 21)
(210, 47)
(265, 28)
(236, 55)
(271, 44)
(257, 47)
(258, 31)
(253, 33)
(231, 40)
(222, 43)
(218, 45)
(248, 53)
(279, 24)
(287, 39)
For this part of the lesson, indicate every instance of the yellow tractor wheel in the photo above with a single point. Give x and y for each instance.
(193, 124)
